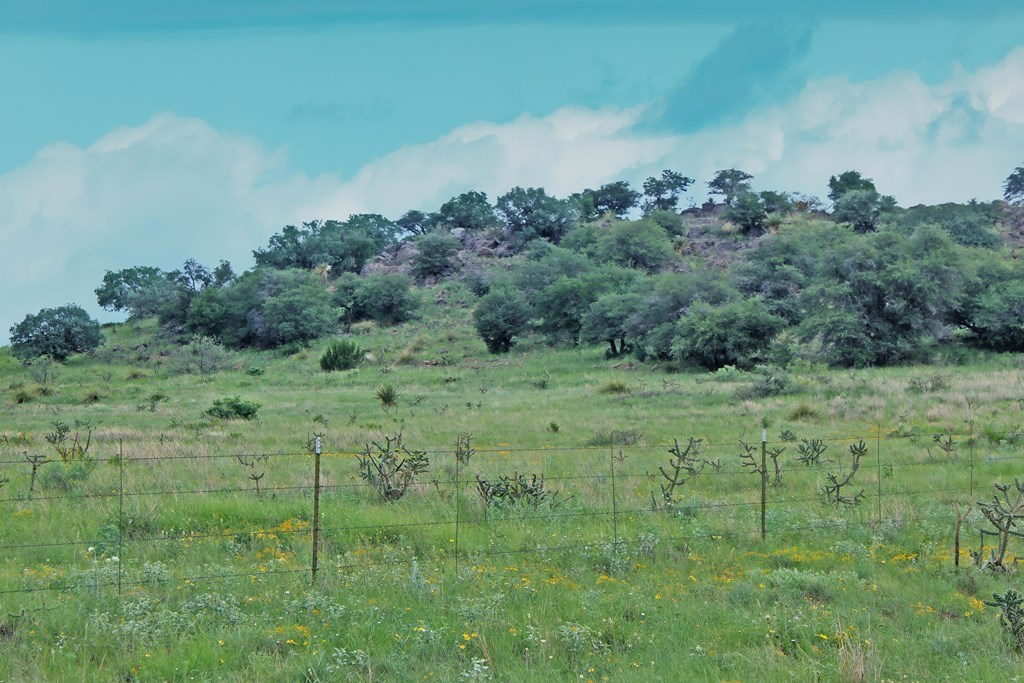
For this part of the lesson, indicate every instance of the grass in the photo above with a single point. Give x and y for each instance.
(215, 580)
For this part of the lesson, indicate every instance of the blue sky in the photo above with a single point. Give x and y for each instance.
(146, 133)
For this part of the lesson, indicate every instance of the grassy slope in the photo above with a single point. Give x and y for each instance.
(538, 595)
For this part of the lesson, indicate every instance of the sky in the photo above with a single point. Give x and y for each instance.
(136, 133)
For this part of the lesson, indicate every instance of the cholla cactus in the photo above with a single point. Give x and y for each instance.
(1011, 614)
(1003, 513)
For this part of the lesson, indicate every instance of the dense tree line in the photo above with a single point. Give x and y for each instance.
(763, 277)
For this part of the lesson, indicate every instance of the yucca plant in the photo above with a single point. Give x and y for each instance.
(341, 355)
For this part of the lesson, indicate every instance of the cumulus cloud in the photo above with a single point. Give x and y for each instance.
(175, 188)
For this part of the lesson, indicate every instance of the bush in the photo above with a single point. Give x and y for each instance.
(341, 355)
(388, 299)
(202, 355)
(500, 317)
(55, 332)
(737, 333)
(435, 256)
(233, 409)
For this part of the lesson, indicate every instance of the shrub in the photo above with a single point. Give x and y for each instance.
(737, 333)
(341, 355)
(233, 408)
(202, 355)
(435, 256)
(500, 317)
(387, 299)
(615, 386)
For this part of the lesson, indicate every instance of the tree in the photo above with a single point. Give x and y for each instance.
(118, 286)
(998, 320)
(643, 245)
(748, 212)
(848, 181)
(663, 193)
(299, 314)
(737, 333)
(862, 208)
(414, 222)
(55, 332)
(729, 183)
(876, 296)
(436, 251)
(776, 202)
(1013, 188)
(618, 198)
(345, 246)
(530, 213)
(500, 317)
(469, 210)
(387, 298)
(607, 321)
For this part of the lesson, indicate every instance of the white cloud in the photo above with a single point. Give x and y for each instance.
(175, 188)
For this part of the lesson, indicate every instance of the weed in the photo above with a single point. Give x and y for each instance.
(804, 411)
(152, 402)
(927, 385)
(553, 427)
(615, 387)
(618, 437)
(233, 408)
(341, 355)
(70, 447)
(256, 467)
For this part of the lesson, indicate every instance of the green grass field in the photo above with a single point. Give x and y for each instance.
(154, 558)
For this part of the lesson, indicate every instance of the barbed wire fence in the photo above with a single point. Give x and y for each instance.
(474, 504)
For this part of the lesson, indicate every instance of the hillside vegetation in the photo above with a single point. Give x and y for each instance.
(542, 449)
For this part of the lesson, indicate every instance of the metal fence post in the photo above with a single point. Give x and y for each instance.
(458, 506)
(316, 505)
(120, 512)
(615, 507)
(878, 462)
(764, 482)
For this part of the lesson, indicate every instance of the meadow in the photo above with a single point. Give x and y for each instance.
(539, 541)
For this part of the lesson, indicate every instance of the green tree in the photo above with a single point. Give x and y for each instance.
(861, 209)
(119, 286)
(876, 296)
(635, 244)
(1013, 187)
(299, 314)
(663, 192)
(414, 222)
(737, 333)
(500, 317)
(729, 183)
(387, 298)
(616, 198)
(998, 317)
(748, 212)
(55, 332)
(469, 210)
(436, 253)
(530, 213)
(607, 321)
(848, 181)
